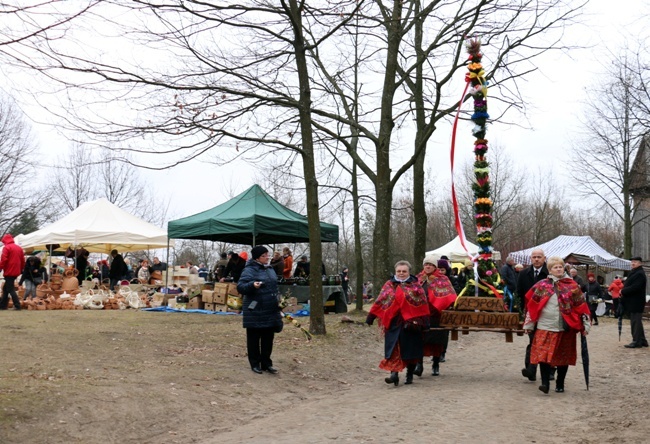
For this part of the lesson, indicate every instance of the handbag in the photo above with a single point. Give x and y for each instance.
(38, 280)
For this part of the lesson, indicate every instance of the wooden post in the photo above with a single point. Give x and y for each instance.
(454, 335)
(509, 336)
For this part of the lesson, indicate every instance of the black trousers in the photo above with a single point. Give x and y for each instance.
(259, 342)
(9, 289)
(592, 310)
(636, 324)
(532, 368)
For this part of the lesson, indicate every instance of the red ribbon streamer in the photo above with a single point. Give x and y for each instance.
(454, 200)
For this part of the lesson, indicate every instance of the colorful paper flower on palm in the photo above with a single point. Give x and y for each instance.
(481, 186)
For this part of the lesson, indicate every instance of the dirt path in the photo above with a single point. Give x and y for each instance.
(138, 377)
(480, 397)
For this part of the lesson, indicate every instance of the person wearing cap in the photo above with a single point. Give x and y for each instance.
(594, 295)
(440, 295)
(261, 310)
(615, 290)
(633, 300)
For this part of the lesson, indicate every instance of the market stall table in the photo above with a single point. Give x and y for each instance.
(332, 293)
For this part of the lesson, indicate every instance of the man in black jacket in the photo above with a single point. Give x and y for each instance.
(633, 300)
(527, 278)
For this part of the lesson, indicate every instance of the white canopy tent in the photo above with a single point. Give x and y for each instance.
(575, 250)
(456, 253)
(99, 227)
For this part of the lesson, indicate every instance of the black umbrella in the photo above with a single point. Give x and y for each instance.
(585, 358)
(619, 315)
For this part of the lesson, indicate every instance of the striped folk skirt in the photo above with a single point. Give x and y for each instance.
(554, 348)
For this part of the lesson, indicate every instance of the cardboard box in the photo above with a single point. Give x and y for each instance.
(233, 310)
(193, 279)
(220, 294)
(220, 307)
(196, 302)
(232, 290)
(209, 306)
(207, 296)
(171, 303)
(181, 272)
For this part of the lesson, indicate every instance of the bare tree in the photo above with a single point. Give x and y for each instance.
(74, 178)
(602, 162)
(257, 78)
(19, 194)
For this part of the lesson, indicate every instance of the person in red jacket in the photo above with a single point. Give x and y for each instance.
(615, 290)
(12, 262)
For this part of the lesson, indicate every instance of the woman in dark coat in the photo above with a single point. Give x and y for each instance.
(594, 293)
(403, 312)
(262, 319)
(33, 275)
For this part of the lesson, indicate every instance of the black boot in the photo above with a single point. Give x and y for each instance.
(418, 369)
(410, 369)
(545, 371)
(393, 378)
(436, 367)
(559, 381)
(442, 357)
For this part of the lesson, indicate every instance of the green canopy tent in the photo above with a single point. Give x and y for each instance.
(251, 218)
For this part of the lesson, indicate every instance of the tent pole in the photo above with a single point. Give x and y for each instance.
(167, 270)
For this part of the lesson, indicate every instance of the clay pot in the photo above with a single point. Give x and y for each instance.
(71, 272)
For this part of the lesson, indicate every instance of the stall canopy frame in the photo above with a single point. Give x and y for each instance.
(250, 218)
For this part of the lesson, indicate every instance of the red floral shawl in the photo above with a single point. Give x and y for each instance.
(440, 292)
(406, 299)
(570, 299)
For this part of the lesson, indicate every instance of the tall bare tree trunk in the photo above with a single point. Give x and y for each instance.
(383, 184)
(317, 315)
(419, 205)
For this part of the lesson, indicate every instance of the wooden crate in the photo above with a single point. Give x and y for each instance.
(208, 296)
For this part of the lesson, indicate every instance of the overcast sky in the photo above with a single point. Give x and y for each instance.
(554, 96)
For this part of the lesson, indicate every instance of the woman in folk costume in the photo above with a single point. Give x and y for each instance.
(440, 293)
(556, 312)
(403, 313)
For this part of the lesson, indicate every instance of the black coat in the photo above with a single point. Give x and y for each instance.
(118, 268)
(266, 313)
(593, 291)
(633, 292)
(235, 267)
(527, 279)
(509, 275)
